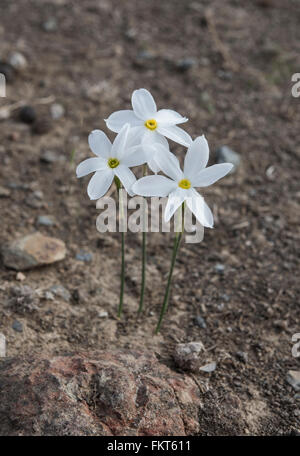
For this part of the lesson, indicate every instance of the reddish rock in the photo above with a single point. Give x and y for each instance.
(100, 393)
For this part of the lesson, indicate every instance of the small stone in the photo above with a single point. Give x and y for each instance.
(186, 64)
(210, 367)
(57, 111)
(17, 326)
(144, 58)
(84, 256)
(102, 314)
(18, 61)
(225, 297)
(27, 114)
(48, 295)
(20, 276)
(293, 378)
(297, 412)
(2, 346)
(61, 292)
(8, 71)
(187, 356)
(50, 156)
(4, 192)
(219, 268)
(200, 321)
(50, 25)
(226, 155)
(242, 356)
(32, 251)
(46, 220)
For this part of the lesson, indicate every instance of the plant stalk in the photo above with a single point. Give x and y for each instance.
(164, 308)
(144, 253)
(120, 309)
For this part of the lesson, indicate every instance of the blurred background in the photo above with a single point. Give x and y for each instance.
(225, 64)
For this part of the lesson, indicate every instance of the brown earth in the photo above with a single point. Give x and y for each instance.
(238, 92)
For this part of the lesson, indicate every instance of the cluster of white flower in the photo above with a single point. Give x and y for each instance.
(141, 138)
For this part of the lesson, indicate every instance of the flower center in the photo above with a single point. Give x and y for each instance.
(151, 124)
(113, 162)
(185, 184)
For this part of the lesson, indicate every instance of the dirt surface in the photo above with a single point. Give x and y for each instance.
(237, 91)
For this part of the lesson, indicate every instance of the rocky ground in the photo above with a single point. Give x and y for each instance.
(227, 65)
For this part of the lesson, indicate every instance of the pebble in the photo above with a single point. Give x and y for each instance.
(219, 268)
(103, 314)
(226, 155)
(186, 64)
(61, 292)
(200, 322)
(2, 346)
(57, 111)
(4, 192)
(46, 220)
(187, 356)
(18, 61)
(210, 367)
(8, 71)
(17, 326)
(20, 277)
(32, 251)
(293, 378)
(50, 156)
(84, 256)
(50, 25)
(27, 114)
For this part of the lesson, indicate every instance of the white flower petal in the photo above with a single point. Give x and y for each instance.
(119, 118)
(135, 156)
(143, 104)
(196, 157)
(100, 183)
(91, 165)
(136, 135)
(200, 209)
(212, 174)
(175, 200)
(99, 143)
(167, 162)
(154, 186)
(126, 176)
(176, 134)
(119, 144)
(151, 137)
(153, 165)
(167, 117)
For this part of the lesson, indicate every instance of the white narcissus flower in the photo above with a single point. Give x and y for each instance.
(180, 186)
(112, 160)
(147, 123)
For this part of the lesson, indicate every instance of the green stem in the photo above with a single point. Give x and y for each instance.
(144, 253)
(173, 260)
(122, 276)
(120, 309)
